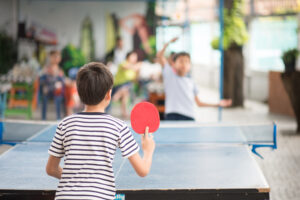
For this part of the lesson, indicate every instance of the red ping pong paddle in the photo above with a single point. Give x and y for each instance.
(142, 115)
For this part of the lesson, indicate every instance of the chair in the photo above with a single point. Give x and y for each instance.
(20, 100)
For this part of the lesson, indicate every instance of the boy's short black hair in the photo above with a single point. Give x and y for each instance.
(129, 53)
(177, 55)
(54, 52)
(93, 81)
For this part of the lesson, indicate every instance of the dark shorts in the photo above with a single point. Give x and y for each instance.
(118, 87)
(178, 117)
(115, 89)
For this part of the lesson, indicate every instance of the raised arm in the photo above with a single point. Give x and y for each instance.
(161, 54)
(222, 103)
(142, 166)
(135, 67)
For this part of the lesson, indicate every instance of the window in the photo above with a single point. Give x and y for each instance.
(269, 37)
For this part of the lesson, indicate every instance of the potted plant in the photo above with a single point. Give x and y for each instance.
(71, 57)
(8, 52)
(289, 58)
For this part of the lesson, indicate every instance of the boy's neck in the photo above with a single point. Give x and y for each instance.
(96, 108)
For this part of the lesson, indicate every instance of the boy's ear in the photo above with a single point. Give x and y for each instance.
(108, 95)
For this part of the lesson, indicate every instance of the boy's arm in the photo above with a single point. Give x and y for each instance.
(142, 165)
(53, 168)
(222, 103)
(160, 55)
(135, 67)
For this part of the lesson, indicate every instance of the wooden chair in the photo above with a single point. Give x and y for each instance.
(159, 101)
(20, 100)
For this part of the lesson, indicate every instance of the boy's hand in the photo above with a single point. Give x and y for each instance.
(225, 102)
(173, 40)
(148, 144)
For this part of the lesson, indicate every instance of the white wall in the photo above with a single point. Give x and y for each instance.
(65, 17)
(256, 84)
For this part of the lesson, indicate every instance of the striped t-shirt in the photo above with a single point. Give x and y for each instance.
(88, 142)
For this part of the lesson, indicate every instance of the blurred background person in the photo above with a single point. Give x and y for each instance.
(123, 81)
(140, 32)
(115, 57)
(72, 100)
(119, 52)
(52, 84)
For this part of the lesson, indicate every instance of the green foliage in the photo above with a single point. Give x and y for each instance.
(87, 44)
(8, 53)
(152, 43)
(71, 57)
(290, 55)
(151, 19)
(235, 31)
(289, 58)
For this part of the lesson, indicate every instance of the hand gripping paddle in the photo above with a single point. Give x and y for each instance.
(142, 115)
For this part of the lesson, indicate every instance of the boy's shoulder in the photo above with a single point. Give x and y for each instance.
(83, 117)
(168, 71)
(118, 122)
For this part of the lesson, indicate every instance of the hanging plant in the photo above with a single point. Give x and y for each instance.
(8, 53)
(235, 32)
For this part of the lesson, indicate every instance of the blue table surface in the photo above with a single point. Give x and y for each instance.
(182, 160)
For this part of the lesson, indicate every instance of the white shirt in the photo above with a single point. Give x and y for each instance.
(180, 93)
(119, 56)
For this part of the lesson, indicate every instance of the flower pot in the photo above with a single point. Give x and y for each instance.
(290, 66)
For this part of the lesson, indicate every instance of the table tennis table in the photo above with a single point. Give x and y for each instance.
(191, 161)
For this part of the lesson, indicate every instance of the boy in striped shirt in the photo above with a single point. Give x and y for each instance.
(88, 141)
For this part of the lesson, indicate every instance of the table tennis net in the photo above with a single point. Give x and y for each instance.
(167, 134)
(217, 134)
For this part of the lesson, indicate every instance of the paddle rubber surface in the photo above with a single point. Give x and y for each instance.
(142, 115)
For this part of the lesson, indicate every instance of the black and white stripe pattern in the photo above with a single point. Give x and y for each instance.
(88, 143)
